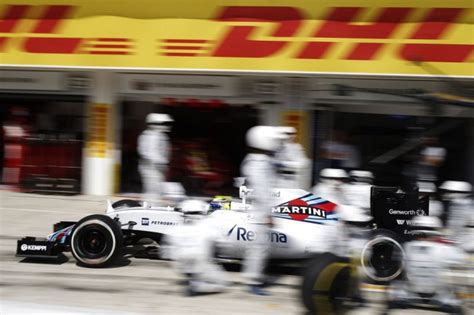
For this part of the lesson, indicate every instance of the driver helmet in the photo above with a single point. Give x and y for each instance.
(455, 189)
(427, 225)
(264, 138)
(360, 176)
(160, 122)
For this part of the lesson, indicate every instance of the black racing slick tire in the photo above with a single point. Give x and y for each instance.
(96, 241)
(327, 283)
(382, 257)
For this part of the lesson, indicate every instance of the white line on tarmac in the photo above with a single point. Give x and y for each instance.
(39, 210)
(16, 307)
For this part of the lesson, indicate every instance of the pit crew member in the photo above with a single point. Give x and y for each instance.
(154, 150)
(427, 259)
(258, 167)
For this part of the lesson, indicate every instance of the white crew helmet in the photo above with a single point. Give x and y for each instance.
(159, 121)
(456, 186)
(428, 225)
(426, 187)
(333, 176)
(194, 206)
(333, 173)
(362, 176)
(264, 138)
(352, 214)
(456, 189)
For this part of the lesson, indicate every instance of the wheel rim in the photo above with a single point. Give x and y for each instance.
(93, 242)
(382, 259)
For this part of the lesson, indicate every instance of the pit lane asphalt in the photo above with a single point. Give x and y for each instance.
(138, 286)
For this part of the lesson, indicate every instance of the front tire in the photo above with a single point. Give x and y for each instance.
(96, 241)
(327, 283)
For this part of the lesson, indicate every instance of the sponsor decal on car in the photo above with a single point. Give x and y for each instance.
(147, 222)
(246, 235)
(164, 223)
(61, 236)
(25, 247)
(308, 208)
(403, 222)
(276, 194)
(406, 212)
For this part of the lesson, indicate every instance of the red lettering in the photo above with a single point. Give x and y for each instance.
(49, 23)
(52, 18)
(51, 45)
(3, 41)
(436, 52)
(434, 26)
(436, 23)
(98, 52)
(238, 43)
(183, 47)
(176, 54)
(13, 14)
(185, 41)
(338, 25)
(10, 19)
(315, 50)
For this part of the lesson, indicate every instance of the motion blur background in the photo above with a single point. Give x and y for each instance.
(79, 78)
(384, 80)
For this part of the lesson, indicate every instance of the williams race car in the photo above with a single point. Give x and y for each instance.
(301, 223)
(305, 226)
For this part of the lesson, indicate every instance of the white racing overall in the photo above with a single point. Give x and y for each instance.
(154, 151)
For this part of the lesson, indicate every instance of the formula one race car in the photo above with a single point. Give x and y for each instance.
(304, 225)
(96, 241)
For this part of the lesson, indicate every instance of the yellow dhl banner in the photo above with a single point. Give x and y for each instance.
(365, 36)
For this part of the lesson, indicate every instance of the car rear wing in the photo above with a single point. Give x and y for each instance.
(395, 209)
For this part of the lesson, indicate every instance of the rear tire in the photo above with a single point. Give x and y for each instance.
(382, 257)
(327, 283)
(96, 241)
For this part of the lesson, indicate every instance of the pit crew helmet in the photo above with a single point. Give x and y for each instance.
(427, 225)
(160, 122)
(263, 138)
(361, 176)
(333, 176)
(455, 189)
(352, 214)
(426, 187)
(193, 206)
